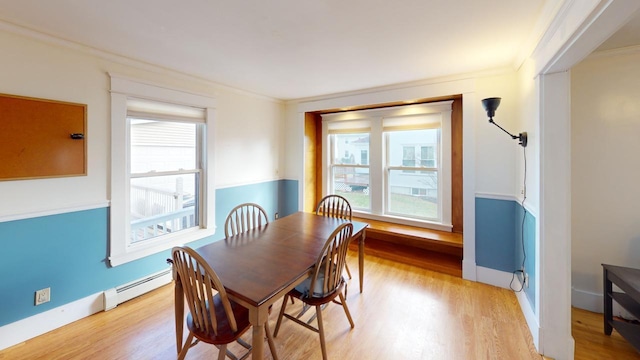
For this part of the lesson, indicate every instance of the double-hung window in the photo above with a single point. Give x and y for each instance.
(349, 165)
(160, 167)
(392, 164)
(165, 168)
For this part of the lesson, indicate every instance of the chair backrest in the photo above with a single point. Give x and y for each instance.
(334, 206)
(244, 217)
(326, 275)
(200, 284)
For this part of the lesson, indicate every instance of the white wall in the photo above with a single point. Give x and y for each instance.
(496, 152)
(605, 169)
(528, 117)
(248, 127)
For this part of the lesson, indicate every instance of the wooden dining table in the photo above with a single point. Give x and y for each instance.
(260, 266)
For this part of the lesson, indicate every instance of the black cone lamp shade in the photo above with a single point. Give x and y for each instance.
(490, 105)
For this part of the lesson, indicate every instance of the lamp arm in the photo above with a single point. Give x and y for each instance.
(501, 128)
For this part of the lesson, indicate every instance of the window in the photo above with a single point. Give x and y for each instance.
(408, 156)
(348, 178)
(165, 177)
(410, 176)
(400, 175)
(427, 156)
(159, 192)
(364, 157)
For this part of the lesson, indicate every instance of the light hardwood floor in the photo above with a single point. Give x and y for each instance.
(591, 342)
(405, 312)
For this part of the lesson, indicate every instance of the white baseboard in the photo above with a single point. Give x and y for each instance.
(587, 300)
(25, 329)
(594, 302)
(494, 277)
(469, 270)
(530, 317)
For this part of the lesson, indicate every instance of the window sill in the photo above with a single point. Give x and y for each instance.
(136, 252)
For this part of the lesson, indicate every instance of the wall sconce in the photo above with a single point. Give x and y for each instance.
(490, 105)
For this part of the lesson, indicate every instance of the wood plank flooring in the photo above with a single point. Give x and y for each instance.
(591, 342)
(405, 312)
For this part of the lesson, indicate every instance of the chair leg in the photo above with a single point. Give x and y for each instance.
(280, 315)
(223, 352)
(343, 300)
(272, 345)
(323, 346)
(346, 266)
(186, 346)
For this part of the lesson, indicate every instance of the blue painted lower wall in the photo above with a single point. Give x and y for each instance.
(68, 252)
(505, 239)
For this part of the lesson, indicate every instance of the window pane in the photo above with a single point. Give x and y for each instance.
(163, 204)
(405, 147)
(353, 184)
(162, 146)
(414, 194)
(364, 157)
(408, 156)
(348, 148)
(427, 156)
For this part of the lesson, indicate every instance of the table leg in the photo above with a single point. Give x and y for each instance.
(257, 318)
(361, 259)
(608, 306)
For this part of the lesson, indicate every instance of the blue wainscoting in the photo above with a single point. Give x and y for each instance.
(495, 234)
(501, 226)
(526, 227)
(68, 252)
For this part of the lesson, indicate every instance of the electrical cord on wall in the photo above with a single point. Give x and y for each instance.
(524, 215)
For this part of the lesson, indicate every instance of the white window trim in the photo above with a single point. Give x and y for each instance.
(120, 251)
(372, 121)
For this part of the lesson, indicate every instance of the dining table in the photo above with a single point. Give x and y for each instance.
(261, 265)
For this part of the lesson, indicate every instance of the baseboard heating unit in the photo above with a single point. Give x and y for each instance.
(120, 294)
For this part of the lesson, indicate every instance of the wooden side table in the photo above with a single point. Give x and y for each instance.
(628, 280)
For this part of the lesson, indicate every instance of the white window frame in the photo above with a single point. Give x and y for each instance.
(121, 250)
(372, 120)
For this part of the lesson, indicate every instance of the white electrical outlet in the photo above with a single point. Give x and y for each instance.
(276, 216)
(526, 280)
(43, 296)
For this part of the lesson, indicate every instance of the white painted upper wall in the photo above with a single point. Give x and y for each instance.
(528, 120)
(248, 128)
(496, 151)
(605, 124)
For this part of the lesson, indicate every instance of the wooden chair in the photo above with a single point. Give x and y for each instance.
(324, 284)
(244, 217)
(213, 317)
(335, 206)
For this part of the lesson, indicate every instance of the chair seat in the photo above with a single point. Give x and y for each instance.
(317, 300)
(225, 334)
(318, 291)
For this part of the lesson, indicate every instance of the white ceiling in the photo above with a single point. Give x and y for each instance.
(628, 35)
(290, 49)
